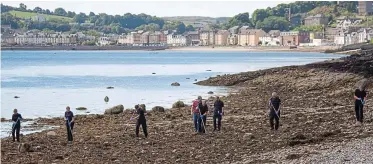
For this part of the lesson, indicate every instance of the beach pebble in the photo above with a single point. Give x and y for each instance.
(210, 92)
(51, 133)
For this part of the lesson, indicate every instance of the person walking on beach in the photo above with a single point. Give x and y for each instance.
(194, 111)
(16, 126)
(69, 117)
(360, 96)
(218, 112)
(141, 120)
(203, 109)
(274, 111)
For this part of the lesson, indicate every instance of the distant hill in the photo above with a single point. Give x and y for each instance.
(27, 15)
(197, 19)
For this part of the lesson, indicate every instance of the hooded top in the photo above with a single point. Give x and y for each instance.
(275, 101)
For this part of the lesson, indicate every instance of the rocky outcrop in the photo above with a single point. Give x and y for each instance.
(178, 104)
(81, 108)
(175, 84)
(158, 109)
(115, 110)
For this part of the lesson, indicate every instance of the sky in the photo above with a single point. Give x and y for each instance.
(156, 8)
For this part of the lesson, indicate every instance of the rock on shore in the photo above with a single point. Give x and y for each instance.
(115, 110)
(175, 84)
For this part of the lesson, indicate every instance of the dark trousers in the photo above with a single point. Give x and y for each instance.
(274, 120)
(217, 117)
(143, 123)
(359, 111)
(201, 125)
(69, 131)
(16, 128)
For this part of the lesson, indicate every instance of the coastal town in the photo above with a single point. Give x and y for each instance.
(345, 33)
(346, 30)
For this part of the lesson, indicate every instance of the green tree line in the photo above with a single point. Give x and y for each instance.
(101, 22)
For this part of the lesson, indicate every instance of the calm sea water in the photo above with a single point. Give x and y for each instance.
(48, 81)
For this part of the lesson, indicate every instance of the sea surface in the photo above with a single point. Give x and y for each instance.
(48, 81)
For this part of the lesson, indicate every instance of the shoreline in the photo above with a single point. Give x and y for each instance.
(252, 49)
(312, 96)
(320, 49)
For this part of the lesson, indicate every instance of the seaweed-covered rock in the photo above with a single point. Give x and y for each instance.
(175, 84)
(158, 109)
(115, 110)
(178, 104)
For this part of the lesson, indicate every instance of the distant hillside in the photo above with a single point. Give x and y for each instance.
(27, 15)
(197, 19)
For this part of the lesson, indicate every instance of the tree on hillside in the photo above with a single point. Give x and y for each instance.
(8, 19)
(116, 28)
(91, 14)
(22, 7)
(47, 11)
(80, 18)
(71, 14)
(189, 28)
(282, 10)
(242, 19)
(5, 8)
(149, 27)
(37, 10)
(178, 26)
(60, 12)
(259, 15)
(214, 26)
(273, 23)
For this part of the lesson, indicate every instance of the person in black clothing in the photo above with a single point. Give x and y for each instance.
(274, 111)
(69, 117)
(360, 96)
(218, 112)
(16, 126)
(203, 114)
(140, 121)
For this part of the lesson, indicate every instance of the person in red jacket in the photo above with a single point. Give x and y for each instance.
(194, 111)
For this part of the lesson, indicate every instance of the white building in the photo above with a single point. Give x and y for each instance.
(364, 35)
(103, 41)
(269, 41)
(352, 38)
(177, 40)
(58, 38)
(339, 40)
